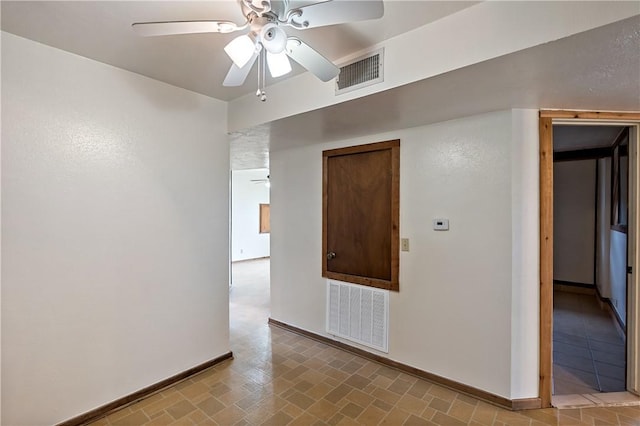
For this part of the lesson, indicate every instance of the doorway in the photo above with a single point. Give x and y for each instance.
(590, 254)
(548, 336)
(250, 230)
(250, 249)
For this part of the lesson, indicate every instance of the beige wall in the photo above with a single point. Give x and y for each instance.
(574, 221)
(115, 229)
(467, 305)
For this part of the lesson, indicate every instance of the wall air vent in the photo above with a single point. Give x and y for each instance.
(361, 72)
(359, 314)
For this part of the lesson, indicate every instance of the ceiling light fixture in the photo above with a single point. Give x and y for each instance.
(279, 64)
(273, 38)
(267, 43)
(269, 47)
(240, 50)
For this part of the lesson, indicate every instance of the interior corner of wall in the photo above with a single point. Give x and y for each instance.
(525, 254)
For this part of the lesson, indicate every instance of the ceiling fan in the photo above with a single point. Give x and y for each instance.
(267, 42)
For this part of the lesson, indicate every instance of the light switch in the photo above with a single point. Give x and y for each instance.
(404, 242)
(441, 224)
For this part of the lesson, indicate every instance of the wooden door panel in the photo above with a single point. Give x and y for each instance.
(359, 193)
(361, 212)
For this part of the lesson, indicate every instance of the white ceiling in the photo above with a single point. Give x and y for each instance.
(101, 30)
(574, 138)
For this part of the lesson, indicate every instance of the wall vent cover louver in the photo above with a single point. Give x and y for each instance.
(359, 314)
(361, 72)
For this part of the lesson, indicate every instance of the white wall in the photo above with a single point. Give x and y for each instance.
(246, 240)
(453, 315)
(525, 254)
(603, 230)
(618, 255)
(114, 232)
(574, 221)
(618, 273)
(612, 247)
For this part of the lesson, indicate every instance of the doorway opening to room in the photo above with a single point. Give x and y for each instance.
(588, 301)
(249, 290)
(589, 258)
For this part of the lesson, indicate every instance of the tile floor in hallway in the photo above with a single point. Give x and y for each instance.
(280, 378)
(588, 348)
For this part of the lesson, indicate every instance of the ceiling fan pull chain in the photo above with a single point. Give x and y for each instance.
(259, 69)
(263, 95)
(260, 93)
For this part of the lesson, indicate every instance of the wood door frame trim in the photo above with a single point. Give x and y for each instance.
(394, 146)
(590, 115)
(546, 259)
(546, 231)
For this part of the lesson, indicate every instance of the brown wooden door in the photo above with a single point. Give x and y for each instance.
(361, 209)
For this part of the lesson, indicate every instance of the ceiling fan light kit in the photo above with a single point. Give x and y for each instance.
(279, 64)
(267, 42)
(240, 50)
(273, 38)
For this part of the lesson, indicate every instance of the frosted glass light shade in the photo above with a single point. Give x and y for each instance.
(279, 64)
(273, 38)
(240, 50)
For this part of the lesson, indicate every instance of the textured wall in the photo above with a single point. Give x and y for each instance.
(114, 235)
(453, 315)
(574, 221)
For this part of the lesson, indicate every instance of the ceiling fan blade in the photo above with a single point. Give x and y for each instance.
(236, 75)
(148, 29)
(309, 58)
(335, 12)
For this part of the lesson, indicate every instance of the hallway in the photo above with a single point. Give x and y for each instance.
(280, 378)
(588, 348)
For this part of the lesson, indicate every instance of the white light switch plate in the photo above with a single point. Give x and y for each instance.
(441, 224)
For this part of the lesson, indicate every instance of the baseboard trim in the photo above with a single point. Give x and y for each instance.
(574, 284)
(605, 302)
(119, 403)
(515, 404)
(613, 311)
(573, 288)
(526, 404)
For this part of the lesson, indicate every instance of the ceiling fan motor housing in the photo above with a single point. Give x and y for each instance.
(273, 38)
